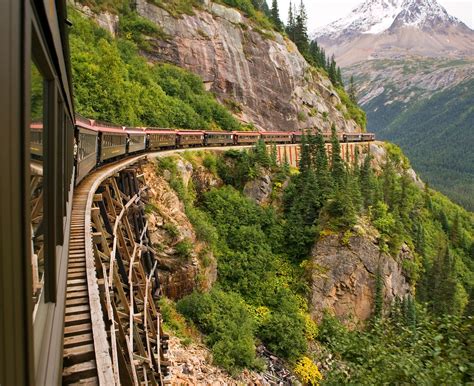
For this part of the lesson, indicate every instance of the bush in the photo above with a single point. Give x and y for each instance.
(284, 335)
(307, 371)
(228, 325)
(184, 249)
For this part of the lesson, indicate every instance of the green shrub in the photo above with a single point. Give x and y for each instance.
(228, 325)
(184, 249)
(172, 229)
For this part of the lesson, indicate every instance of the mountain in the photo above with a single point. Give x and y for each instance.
(413, 66)
(396, 28)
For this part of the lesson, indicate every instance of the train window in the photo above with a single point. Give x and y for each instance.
(36, 188)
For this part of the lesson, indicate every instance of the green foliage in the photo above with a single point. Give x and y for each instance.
(228, 325)
(175, 322)
(184, 249)
(178, 7)
(353, 110)
(436, 134)
(402, 349)
(113, 83)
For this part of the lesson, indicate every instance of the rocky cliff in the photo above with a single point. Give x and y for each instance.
(259, 74)
(184, 263)
(343, 275)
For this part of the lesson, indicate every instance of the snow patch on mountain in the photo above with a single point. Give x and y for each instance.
(377, 16)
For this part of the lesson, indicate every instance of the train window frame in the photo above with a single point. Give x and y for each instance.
(39, 55)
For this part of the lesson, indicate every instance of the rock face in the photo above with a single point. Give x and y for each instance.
(169, 228)
(260, 73)
(259, 189)
(344, 276)
(106, 20)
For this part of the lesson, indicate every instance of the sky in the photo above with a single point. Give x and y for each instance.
(322, 12)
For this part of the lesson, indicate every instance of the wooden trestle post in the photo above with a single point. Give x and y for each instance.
(127, 274)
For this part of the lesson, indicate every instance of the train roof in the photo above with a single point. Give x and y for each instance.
(156, 130)
(276, 132)
(218, 132)
(246, 132)
(135, 130)
(199, 132)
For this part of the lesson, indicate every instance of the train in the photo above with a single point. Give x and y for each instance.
(98, 142)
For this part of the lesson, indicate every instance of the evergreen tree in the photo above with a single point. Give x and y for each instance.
(442, 283)
(378, 302)
(352, 90)
(427, 197)
(286, 165)
(339, 77)
(290, 28)
(274, 155)
(301, 29)
(305, 157)
(337, 164)
(261, 154)
(443, 219)
(367, 182)
(275, 15)
(322, 168)
(455, 231)
(332, 71)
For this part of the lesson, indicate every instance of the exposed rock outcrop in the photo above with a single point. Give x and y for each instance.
(181, 262)
(106, 20)
(344, 269)
(259, 189)
(261, 72)
(192, 365)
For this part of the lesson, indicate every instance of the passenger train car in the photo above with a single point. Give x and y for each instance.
(110, 142)
(37, 173)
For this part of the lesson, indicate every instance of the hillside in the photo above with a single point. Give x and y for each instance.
(445, 160)
(370, 278)
(413, 64)
(252, 70)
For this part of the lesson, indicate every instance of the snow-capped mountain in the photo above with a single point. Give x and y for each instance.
(390, 28)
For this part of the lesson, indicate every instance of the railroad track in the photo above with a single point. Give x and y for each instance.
(79, 360)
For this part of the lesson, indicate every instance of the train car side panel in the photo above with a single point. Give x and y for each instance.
(87, 148)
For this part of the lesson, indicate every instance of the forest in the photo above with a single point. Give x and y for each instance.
(446, 159)
(263, 255)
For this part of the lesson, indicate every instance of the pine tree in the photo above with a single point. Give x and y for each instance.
(332, 71)
(442, 283)
(427, 197)
(367, 182)
(290, 29)
(274, 156)
(286, 165)
(378, 302)
(275, 15)
(337, 164)
(261, 154)
(305, 157)
(352, 90)
(455, 231)
(322, 168)
(339, 77)
(301, 29)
